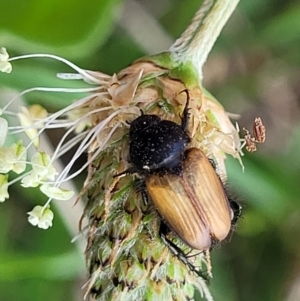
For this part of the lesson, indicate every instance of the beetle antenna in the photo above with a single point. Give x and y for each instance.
(129, 122)
(185, 113)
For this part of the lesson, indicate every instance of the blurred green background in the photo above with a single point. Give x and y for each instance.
(253, 70)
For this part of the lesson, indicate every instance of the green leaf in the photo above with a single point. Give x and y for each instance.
(283, 29)
(72, 28)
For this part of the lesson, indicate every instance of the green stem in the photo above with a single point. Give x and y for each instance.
(198, 39)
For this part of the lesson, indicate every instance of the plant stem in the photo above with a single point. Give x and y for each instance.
(198, 39)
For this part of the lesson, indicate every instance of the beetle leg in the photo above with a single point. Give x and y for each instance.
(236, 212)
(127, 171)
(212, 163)
(163, 231)
(140, 186)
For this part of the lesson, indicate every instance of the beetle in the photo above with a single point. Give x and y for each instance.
(194, 204)
(181, 181)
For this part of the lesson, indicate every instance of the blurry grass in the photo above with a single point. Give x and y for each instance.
(59, 267)
(253, 70)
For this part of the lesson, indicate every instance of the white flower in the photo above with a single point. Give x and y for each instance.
(3, 130)
(20, 154)
(31, 180)
(92, 118)
(6, 159)
(42, 169)
(3, 188)
(29, 119)
(56, 192)
(41, 165)
(77, 114)
(13, 158)
(5, 65)
(41, 217)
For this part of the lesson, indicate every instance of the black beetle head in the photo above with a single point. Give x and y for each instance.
(138, 125)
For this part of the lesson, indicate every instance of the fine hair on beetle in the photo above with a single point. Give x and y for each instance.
(181, 182)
